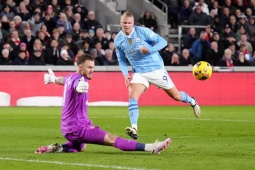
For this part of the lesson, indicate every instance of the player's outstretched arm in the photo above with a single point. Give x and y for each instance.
(51, 78)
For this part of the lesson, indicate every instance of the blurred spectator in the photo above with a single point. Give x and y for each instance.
(251, 28)
(37, 45)
(233, 24)
(43, 39)
(71, 43)
(238, 14)
(149, 21)
(80, 9)
(189, 38)
(55, 36)
(252, 6)
(86, 47)
(4, 35)
(224, 19)
(5, 23)
(247, 44)
(203, 5)
(91, 22)
(216, 8)
(76, 32)
(70, 53)
(98, 58)
(14, 40)
(198, 17)
(235, 52)
(248, 12)
(37, 58)
(7, 12)
(240, 32)
(36, 22)
(240, 5)
(228, 36)
(99, 37)
(52, 53)
(63, 21)
(111, 47)
(12, 53)
(241, 61)
(77, 19)
(175, 61)
(247, 54)
(49, 22)
(230, 6)
(216, 38)
(69, 14)
(17, 20)
(107, 35)
(217, 27)
(185, 58)
(113, 36)
(11, 3)
(56, 7)
(185, 12)
(28, 39)
(109, 58)
(21, 59)
(23, 47)
(212, 55)
(65, 3)
(85, 37)
(209, 33)
(243, 22)
(5, 58)
(227, 60)
(44, 31)
(23, 12)
(39, 4)
(64, 58)
(79, 53)
(167, 54)
(199, 48)
(61, 31)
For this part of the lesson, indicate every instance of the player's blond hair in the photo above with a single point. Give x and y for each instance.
(127, 14)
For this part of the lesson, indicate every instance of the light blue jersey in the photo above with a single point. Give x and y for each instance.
(129, 47)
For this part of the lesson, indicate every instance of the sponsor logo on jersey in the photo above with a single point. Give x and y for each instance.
(130, 41)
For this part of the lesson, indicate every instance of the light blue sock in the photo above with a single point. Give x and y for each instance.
(185, 97)
(133, 111)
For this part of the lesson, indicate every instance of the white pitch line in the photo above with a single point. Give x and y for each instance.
(73, 164)
(142, 117)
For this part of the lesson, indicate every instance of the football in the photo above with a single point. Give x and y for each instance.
(202, 70)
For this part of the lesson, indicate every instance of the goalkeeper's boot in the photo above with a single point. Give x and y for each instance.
(53, 148)
(160, 146)
(196, 108)
(132, 132)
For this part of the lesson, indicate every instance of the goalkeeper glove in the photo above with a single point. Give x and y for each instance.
(50, 77)
(82, 86)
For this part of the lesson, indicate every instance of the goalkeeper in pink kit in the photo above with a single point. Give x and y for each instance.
(76, 127)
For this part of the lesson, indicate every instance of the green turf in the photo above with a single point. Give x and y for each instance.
(223, 138)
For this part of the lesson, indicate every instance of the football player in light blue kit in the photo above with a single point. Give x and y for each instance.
(140, 46)
(76, 127)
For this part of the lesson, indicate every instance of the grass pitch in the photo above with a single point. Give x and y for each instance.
(222, 138)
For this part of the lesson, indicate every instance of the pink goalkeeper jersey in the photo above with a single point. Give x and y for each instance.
(75, 105)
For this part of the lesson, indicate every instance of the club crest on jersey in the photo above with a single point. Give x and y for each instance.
(137, 40)
(130, 41)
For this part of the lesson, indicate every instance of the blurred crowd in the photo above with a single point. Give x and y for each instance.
(52, 32)
(56, 32)
(226, 39)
